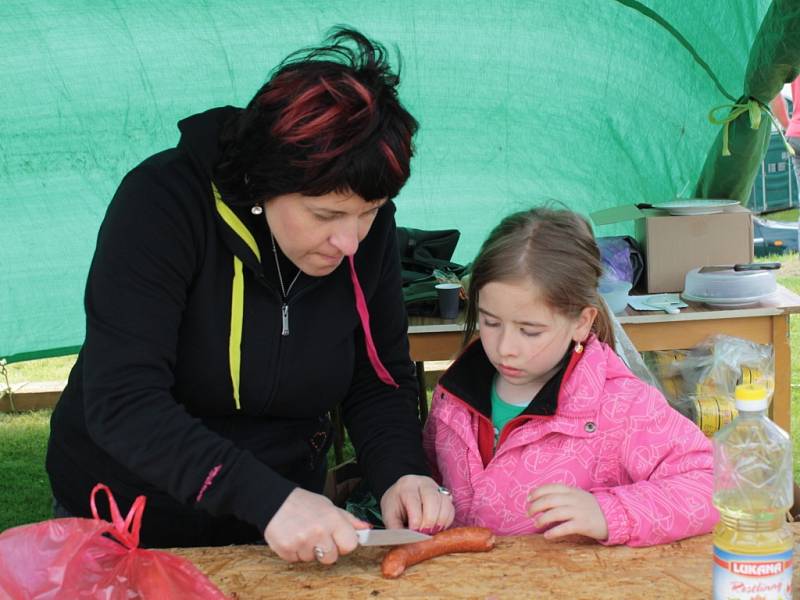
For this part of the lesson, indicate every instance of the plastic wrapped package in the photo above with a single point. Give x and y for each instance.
(92, 558)
(664, 365)
(700, 382)
(630, 355)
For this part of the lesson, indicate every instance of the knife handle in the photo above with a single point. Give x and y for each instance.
(770, 266)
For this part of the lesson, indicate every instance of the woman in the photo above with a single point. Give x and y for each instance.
(244, 284)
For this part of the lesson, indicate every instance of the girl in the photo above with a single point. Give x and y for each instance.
(539, 426)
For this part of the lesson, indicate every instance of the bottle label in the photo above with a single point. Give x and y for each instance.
(750, 576)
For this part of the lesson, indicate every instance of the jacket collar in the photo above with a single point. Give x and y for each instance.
(232, 222)
(470, 379)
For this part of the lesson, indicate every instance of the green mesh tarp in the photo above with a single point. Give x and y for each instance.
(591, 103)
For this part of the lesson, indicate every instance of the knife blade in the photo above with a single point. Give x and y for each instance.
(770, 266)
(389, 537)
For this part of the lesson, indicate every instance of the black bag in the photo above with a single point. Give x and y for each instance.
(421, 252)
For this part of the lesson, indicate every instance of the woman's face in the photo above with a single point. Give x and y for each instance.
(522, 336)
(317, 232)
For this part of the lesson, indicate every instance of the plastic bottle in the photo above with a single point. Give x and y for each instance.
(753, 489)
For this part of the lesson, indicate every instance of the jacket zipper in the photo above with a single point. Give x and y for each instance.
(488, 425)
(510, 426)
(484, 426)
(284, 328)
(285, 317)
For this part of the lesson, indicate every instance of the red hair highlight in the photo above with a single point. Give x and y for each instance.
(394, 164)
(328, 119)
(321, 113)
(361, 90)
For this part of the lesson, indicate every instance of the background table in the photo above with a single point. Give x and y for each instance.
(767, 322)
(519, 567)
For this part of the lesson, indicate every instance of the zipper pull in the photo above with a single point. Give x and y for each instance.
(285, 319)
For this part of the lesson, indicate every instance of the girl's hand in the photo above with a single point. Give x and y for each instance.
(415, 501)
(575, 511)
(307, 521)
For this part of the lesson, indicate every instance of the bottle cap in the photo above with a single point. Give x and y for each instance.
(751, 396)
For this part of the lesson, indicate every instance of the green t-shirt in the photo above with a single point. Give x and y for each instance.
(502, 411)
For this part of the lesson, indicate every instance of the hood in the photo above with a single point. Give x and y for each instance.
(200, 136)
(199, 141)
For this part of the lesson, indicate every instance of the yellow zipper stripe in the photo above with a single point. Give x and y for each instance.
(237, 292)
(235, 223)
(237, 316)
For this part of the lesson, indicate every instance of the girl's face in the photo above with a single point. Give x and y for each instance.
(523, 337)
(317, 232)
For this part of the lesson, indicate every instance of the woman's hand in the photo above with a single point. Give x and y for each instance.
(575, 510)
(416, 501)
(306, 522)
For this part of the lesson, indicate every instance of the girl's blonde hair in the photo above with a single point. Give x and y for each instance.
(553, 248)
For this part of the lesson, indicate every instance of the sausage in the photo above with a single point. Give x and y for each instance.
(458, 539)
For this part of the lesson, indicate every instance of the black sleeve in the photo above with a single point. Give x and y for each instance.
(383, 422)
(149, 247)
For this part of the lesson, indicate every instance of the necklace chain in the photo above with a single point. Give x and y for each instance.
(284, 291)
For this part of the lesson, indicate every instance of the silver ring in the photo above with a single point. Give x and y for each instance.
(444, 491)
(319, 553)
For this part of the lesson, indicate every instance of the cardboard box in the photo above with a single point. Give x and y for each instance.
(673, 245)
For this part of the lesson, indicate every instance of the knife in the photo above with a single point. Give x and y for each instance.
(389, 537)
(770, 266)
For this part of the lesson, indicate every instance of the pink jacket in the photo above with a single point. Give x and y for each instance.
(649, 467)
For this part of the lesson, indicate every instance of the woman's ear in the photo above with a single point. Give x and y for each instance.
(583, 325)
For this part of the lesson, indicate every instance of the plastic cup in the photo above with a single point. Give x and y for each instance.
(616, 294)
(448, 299)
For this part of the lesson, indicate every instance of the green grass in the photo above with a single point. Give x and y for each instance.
(47, 369)
(25, 491)
(784, 215)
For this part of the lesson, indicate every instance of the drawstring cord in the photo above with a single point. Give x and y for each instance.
(363, 315)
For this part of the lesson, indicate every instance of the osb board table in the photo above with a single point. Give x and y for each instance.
(518, 567)
(766, 322)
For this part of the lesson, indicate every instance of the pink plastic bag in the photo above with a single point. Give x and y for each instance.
(72, 558)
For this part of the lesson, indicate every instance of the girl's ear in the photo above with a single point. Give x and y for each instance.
(583, 325)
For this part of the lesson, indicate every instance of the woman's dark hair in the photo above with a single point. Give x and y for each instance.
(327, 120)
(553, 248)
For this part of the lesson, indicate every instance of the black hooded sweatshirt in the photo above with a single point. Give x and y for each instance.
(186, 391)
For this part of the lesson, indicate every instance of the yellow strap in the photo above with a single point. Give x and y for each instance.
(237, 291)
(235, 223)
(754, 108)
(235, 343)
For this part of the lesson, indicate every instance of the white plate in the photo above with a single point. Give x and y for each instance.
(698, 206)
(727, 302)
